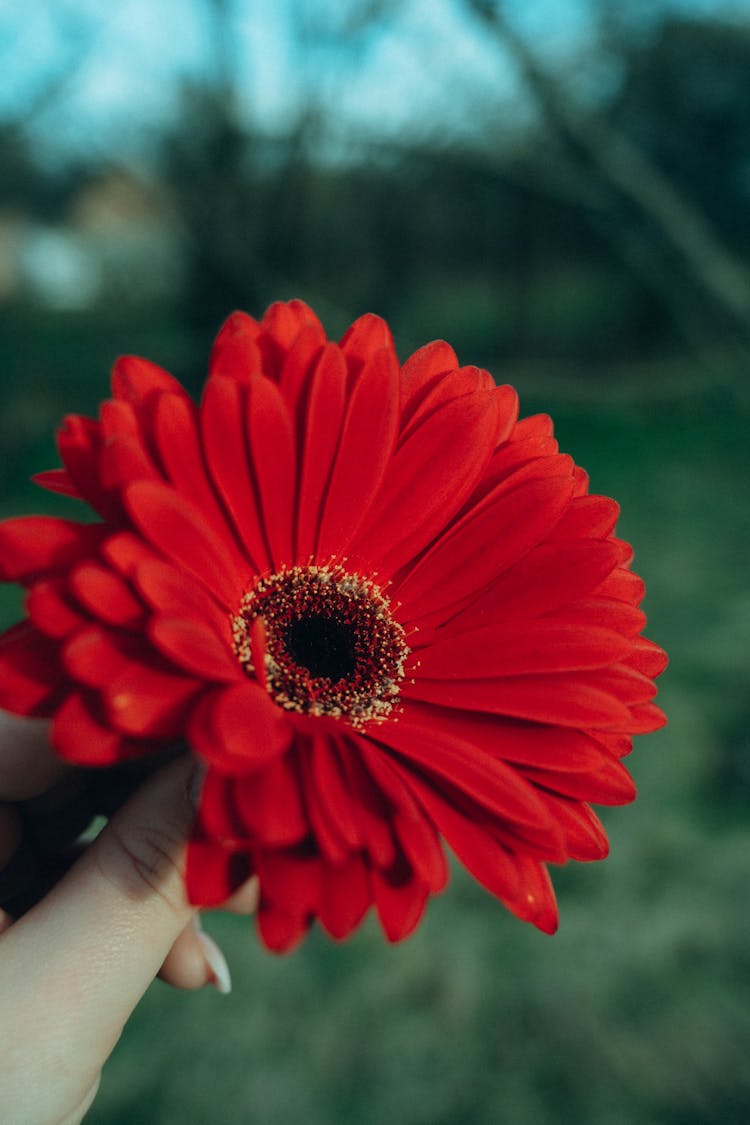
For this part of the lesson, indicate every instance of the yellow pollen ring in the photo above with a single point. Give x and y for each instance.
(355, 672)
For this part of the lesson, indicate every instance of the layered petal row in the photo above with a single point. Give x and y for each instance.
(386, 615)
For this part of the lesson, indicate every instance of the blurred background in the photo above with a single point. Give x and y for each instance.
(560, 188)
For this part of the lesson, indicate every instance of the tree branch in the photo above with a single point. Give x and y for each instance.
(628, 171)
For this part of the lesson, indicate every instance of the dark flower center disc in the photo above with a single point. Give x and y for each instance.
(333, 647)
(323, 645)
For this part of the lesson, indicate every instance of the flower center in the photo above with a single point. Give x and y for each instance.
(332, 646)
(322, 645)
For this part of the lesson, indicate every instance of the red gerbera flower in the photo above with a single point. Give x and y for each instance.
(384, 612)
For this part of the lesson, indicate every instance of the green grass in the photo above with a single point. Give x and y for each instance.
(637, 1011)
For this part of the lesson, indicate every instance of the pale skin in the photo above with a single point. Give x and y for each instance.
(74, 966)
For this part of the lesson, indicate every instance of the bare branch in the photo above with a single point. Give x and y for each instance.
(626, 170)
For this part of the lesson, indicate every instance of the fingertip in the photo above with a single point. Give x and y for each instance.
(245, 899)
(185, 965)
(196, 960)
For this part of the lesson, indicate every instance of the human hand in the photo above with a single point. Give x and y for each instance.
(73, 966)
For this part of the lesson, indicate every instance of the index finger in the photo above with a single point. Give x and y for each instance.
(28, 764)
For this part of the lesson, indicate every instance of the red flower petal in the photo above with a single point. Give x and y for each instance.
(281, 326)
(238, 729)
(487, 781)
(227, 456)
(536, 903)
(344, 896)
(217, 816)
(122, 462)
(59, 481)
(196, 648)
(291, 878)
(214, 872)
(271, 443)
(82, 735)
(521, 883)
(135, 380)
(370, 811)
(423, 373)
(512, 740)
(124, 456)
(331, 844)
(421, 846)
(522, 450)
(177, 439)
(31, 547)
(279, 931)
(626, 683)
(30, 677)
(623, 586)
(294, 378)
(366, 336)
(647, 658)
(418, 838)
(432, 377)
(105, 595)
(618, 744)
(413, 505)
(594, 613)
(333, 792)
(544, 580)
(585, 838)
(644, 718)
(611, 784)
(565, 700)
(325, 412)
(588, 517)
(235, 353)
(124, 551)
(172, 525)
(52, 610)
(95, 656)
(522, 649)
(270, 804)
(482, 546)
(367, 438)
(142, 696)
(489, 862)
(400, 899)
(79, 443)
(174, 594)
(537, 428)
(149, 703)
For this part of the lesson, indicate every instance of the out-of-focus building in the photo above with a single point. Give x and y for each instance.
(118, 241)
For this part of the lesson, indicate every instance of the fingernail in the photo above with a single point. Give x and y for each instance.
(217, 962)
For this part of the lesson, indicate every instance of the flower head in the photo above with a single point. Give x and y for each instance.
(386, 615)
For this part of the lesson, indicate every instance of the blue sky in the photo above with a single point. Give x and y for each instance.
(421, 68)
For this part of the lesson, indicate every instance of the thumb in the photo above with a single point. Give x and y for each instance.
(75, 966)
